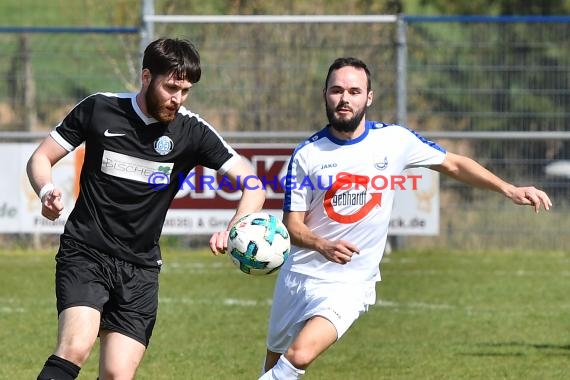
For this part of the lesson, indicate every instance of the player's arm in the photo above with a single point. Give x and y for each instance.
(253, 191)
(466, 170)
(252, 200)
(39, 170)
(338, 251)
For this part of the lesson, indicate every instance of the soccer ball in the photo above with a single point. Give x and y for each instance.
(258, 243)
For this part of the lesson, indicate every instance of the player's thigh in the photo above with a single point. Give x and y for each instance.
(120, 356)
(317, 335)
(78, 327)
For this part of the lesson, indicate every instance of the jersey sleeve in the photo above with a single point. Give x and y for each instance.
(297, 198)
(215, 152)
(72, 131)
(421, 151)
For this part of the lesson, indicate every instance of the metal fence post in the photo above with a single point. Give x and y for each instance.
(147, 25)
(397, 242)
(401, 68)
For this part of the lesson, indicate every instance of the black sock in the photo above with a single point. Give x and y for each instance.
(57, 368)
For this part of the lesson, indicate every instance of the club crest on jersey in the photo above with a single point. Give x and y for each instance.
(381, 165)
(163, 145)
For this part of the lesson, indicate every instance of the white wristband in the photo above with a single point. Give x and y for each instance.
(46, 189)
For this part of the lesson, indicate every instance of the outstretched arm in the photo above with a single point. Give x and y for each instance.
(252, 200)
(466, 170)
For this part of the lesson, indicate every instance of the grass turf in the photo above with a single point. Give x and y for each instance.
(439, 315)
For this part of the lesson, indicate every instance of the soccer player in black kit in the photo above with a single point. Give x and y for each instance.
(109, 259)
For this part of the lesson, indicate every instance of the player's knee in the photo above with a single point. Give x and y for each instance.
(75, 351)
(299, 357)
(116, 375)
(117, 372)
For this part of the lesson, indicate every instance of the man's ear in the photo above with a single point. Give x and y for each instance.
(370, 98)
(146, 77)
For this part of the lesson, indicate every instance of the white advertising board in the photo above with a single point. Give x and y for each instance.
(20, 208)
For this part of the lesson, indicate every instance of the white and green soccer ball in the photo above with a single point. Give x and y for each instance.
(258, 243)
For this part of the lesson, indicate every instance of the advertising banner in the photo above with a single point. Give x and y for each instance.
(199, 207)
(20, 208)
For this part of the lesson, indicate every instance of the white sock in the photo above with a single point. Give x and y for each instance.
(283, 370)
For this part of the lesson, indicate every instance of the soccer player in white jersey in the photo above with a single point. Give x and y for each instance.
(337, 209)
(109, 258)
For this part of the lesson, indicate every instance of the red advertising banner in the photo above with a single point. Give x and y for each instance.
(203, 192)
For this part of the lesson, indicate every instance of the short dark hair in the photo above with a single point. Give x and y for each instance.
(349, 61)
(173, 56)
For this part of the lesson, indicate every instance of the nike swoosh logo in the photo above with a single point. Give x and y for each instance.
(111, 134)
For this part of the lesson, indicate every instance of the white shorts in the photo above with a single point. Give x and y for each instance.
(298, 297)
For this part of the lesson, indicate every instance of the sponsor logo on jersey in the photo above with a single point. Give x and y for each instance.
(163, 145)
(349, 199)
(329, 166)
(357, 196)
(353, 196)
(136, 169)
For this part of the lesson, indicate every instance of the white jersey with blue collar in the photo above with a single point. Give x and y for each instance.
(347, 188)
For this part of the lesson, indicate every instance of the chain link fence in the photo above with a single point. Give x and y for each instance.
(263, 82)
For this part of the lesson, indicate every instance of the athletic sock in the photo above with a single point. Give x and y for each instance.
(283, 370)
(56, 368)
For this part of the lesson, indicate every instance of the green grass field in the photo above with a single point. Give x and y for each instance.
(439, 315)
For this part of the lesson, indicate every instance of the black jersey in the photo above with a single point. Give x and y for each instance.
(117, 210)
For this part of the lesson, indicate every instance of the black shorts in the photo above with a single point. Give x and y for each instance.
(124, 293)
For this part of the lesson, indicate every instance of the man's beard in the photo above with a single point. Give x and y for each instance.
(345, 125)
(155, 108)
